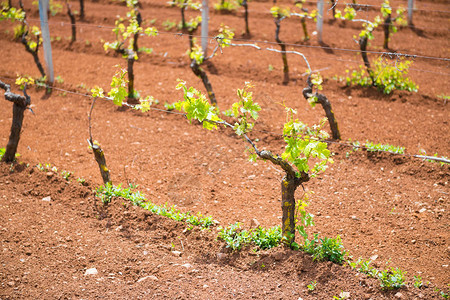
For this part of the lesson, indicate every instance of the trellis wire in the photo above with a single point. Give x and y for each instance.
(274, 43)
(294, 14)
(295, 45)
(378, 6)
(274, 50)
(423, 157)
(351, 4)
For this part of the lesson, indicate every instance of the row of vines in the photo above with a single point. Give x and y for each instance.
(306, 153)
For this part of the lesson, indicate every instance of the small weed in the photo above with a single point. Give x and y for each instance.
(108, 191)
(372, 147)
(418, 283)
(325, 248)
(387, 77)
(66, 175)
(59, 79)
(392, 278)
(81, 181)
(236, 238)
(444, 97)
(146, 50)
(46, 168)
(342, 296)
(442, 293)
(364, 266)
(83, 86)
(312, 286)
(266, 238)
(270, 68)
(169, 25)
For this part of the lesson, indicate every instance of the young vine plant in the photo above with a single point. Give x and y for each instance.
(29, 36)
(303, 13)
(304, 157)
(385, 76)
(305, 154)
(127, 31)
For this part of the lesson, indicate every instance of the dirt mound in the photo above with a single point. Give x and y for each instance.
(59, 242)
(389, 208)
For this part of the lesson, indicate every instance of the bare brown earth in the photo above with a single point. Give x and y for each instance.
(389, 208)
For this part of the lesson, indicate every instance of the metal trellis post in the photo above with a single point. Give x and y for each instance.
(319, 19)
(43, 10)
(410, 11)
(205, 19)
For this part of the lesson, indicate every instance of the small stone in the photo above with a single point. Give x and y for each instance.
(11, 283)
(150, 277)
(413, 241)
(176, 253)
(49, 174)
(47, 199)
(205, 286)
(398, 295)
(278, 256)
(91, 271)
(221, 256)
(254, 223)
(373, 257)
(423, 210)
(187, 266)
(251, 177)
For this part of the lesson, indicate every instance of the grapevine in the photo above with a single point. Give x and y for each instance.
(304, 157)
(130, 33)
(303, 14)
(29, 36)
(20, 104)
(279, 14)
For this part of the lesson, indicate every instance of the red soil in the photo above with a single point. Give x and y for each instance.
(385, 207)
